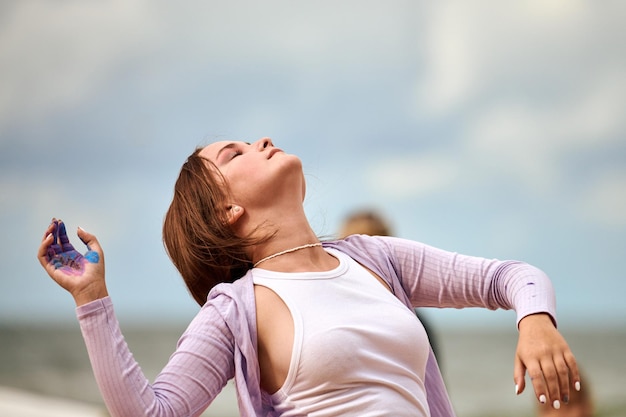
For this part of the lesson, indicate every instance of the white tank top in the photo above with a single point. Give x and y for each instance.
(357, 351)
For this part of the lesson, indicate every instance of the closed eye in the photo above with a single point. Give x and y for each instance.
(236, 150)
(228, 152)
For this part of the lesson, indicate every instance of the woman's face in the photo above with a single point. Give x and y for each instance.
(255, 172)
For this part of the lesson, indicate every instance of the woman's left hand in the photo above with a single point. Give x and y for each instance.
(544, 353)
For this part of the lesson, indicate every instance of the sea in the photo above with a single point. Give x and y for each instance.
(477, 364)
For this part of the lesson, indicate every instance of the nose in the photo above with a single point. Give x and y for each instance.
(264, 143)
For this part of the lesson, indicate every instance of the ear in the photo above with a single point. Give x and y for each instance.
(234, 213)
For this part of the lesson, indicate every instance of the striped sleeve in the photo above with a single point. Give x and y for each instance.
(433, 277)
(192, 378)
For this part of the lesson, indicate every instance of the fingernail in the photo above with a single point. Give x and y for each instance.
(556, 404)
(516, 389)
(81, 229)
(566, 399)
(577, 385)
(542, 399)
(48, 236)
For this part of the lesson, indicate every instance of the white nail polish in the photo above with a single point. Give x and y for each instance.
(542, 399)
(516, 389)
(577, 385)
(556, 404)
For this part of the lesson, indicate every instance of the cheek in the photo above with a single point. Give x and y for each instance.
(242, 185)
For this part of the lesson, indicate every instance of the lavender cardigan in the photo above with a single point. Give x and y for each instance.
(221, 341)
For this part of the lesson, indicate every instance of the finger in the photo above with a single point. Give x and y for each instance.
(64, 241)
(574, 373)
(553, 385)
(519, 375)
(94, 251)
(536, 378)
(55, 236)
(48, 230)
(55, 231)
(563, 376)
(43, 252)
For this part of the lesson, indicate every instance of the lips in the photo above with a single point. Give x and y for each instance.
(272, 152)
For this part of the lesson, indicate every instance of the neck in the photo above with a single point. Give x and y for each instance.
(286, 251)
(289, 228)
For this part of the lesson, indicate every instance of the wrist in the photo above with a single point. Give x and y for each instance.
(90, 294)
(536, 319)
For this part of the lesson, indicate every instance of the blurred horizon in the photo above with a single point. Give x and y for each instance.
(477, 367)
(489, 129)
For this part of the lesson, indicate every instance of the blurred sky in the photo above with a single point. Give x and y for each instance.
(488, 128)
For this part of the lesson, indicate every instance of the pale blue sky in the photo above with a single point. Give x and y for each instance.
(486, 128)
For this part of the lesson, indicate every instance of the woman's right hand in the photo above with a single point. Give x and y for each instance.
(81, 275)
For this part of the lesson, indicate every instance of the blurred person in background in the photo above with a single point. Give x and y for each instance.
(303, 326)
(371, 222)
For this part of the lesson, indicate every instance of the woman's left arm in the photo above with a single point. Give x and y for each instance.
(433, 277)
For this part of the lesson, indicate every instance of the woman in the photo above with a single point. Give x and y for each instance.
(305, 328)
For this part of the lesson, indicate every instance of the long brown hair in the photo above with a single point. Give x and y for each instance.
(196, 233)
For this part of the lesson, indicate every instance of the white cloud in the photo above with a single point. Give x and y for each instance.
(474, 52)
(55, 54)
(412, 176)
(105, 208)
(604, 201)
(45, 200)
(450, 71)
(511, 140)
(531, 146)
(597, 115)
(531, 143)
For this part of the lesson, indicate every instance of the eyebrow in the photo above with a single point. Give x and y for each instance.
(228, 146)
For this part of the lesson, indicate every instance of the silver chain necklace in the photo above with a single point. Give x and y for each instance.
(267, 258)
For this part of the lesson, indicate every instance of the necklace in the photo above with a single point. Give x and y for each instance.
(267, 258)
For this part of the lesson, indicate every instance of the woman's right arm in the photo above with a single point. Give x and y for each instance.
(195, 373)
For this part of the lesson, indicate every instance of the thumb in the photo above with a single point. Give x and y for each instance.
(519, 375)
(93, 246)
